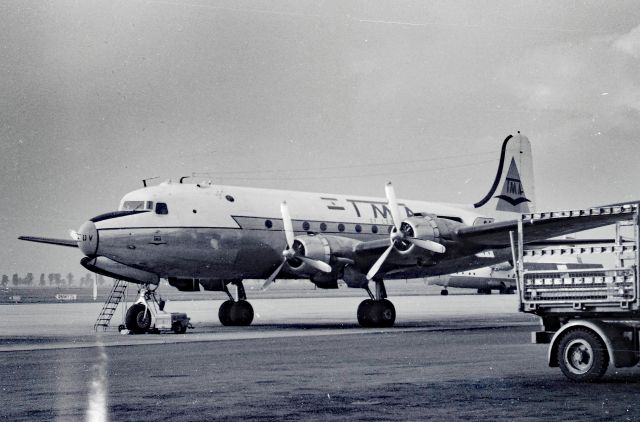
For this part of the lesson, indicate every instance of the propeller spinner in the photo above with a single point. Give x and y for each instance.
(398, 235)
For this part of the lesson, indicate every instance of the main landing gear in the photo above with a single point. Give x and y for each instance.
(377, 311)
(236, 312)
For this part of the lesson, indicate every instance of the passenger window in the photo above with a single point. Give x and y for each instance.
(323, 227)
(161, 208)
(374, 229)
(341, 227)
(358, 228)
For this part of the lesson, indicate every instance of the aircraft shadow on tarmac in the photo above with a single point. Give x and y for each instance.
(421, 324)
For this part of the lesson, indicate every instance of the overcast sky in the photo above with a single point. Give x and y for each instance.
(331, 96)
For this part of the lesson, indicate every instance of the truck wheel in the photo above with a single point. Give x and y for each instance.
(582, 356)
(138, 319)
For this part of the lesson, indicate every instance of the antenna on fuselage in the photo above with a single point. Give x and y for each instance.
(144, 181)
(195, 174)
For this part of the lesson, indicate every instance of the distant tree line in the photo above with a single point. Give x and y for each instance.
(51, 280)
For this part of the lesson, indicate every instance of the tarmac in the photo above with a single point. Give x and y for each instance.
(457, 357)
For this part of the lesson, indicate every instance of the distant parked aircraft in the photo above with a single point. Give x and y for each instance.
(500, 277)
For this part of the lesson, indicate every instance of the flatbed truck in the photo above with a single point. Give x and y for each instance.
(589, 318)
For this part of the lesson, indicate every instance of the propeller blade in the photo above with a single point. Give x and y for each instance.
(318, 265)
(273, 276)
(73, 234)
(376, 266)
(429, 245)
(288, 225)
(393, 205)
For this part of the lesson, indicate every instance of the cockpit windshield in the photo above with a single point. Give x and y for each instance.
(137, 205)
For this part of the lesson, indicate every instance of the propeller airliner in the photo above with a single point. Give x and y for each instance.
(212, 236)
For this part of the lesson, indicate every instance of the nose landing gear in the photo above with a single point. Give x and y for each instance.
(147, 315)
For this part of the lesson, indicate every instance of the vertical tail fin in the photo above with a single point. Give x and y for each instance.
(513, 188)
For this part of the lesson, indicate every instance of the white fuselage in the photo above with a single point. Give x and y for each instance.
(212, 231)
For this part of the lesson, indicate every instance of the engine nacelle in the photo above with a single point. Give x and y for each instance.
(426, 227)
(325, 281)
(328, 249)
(185, 284)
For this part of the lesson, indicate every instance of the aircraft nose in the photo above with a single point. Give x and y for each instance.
(88, 238)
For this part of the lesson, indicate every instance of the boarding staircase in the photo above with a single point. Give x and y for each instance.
(111, 304)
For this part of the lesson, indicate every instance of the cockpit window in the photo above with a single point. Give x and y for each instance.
(137, 205)
(133, 206)
(161, 208)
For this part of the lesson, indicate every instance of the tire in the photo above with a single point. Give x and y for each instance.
(138, 319)
(582, 355)
(241, 313)
(387, 313)
(377, 313)
(364, 310)
(224, 313)
(444, 292)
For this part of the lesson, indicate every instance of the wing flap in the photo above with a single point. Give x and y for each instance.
(60, 242)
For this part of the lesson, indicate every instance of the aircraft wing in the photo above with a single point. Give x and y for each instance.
(535, 230)
(61, 242)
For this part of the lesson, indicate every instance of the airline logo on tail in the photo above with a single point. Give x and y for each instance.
(512, 195)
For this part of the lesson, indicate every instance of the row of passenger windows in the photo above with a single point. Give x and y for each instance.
(306, 226)
(162, 209)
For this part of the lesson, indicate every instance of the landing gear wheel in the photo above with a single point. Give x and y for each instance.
(364, 311)
(507, 290)
(376, 313)
(582, 356)
(484, 291)
(224, 313)
(444, 292)
(241, 313)
(386, 313)
(138, 319)
(178, 328)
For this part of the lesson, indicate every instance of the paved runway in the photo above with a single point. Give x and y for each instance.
(451, 358)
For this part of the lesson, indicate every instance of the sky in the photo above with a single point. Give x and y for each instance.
(327, 96)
